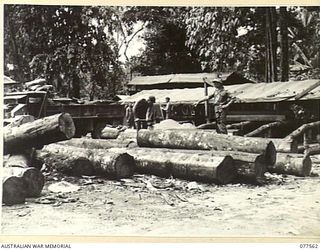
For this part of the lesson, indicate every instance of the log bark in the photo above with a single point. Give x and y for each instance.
(261, 129)
(98, 143)
(292, 164)
(285, 145)
(13, 190)
(312, 150)
(202, 140)
(38, 133)
(80, 161)
(302, 129)
(157, 161)
(203, 166)
(110, 133)
(128, 134)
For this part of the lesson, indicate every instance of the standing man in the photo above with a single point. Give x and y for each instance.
(221, 102)
(167, 109)
(143, 112)
(129, 115)
(150, 114)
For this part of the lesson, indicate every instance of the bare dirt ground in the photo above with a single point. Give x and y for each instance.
(152, 206)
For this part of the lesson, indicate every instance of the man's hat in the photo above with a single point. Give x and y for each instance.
(216, 81)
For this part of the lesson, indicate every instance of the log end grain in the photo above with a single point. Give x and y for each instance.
(13, 190)
(226, 171)
(34, 181)
(66, 125)
(306, 166)
(124, 165)
(270, 154)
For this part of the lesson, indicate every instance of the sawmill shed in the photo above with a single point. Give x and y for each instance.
(181, 81)
(293, 102)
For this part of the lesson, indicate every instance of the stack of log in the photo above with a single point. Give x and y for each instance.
(20, 178)
(192, 154)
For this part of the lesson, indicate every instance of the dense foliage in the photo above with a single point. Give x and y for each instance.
(78, 49)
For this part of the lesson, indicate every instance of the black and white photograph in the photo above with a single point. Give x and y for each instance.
(161, 121)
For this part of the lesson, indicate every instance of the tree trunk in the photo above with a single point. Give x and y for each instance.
(38, 133)
(80, 161)
(271, 45)
(13, 189)
(182, 164)
(285, 145)
(98, 143)
(293, 164)
(20, 165)
(32, 177)
(298, 132)
(284, 57)
(202, 140)
(261, 129)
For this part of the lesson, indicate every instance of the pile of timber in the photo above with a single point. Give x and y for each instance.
(20, 178)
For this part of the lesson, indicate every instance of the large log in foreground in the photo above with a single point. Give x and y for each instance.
(38, 133)
(13, 190)
(183, 164)
(33, 179)
(202, 140)
(80, 161)
(20, 166)
(292, 164)
(158, 161)
(98, 143)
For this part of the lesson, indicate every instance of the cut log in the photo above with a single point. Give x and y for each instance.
(298, 132)
(32, 177)
(263, 128)
(292, 164)
(211, 125)
(19, 160)
(109, 133)
(38, 133)
(98, 143)
(80, 161)
(250, 167)
(183, 164)
(285, 145)
(128, 134)
(20, 166)
(64, 159)
(203, 140)
(13, 190)
(21, 119)
(239, 125)
(312, 150)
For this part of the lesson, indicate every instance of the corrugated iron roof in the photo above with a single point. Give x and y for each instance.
(248, 92)
(173, 78)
